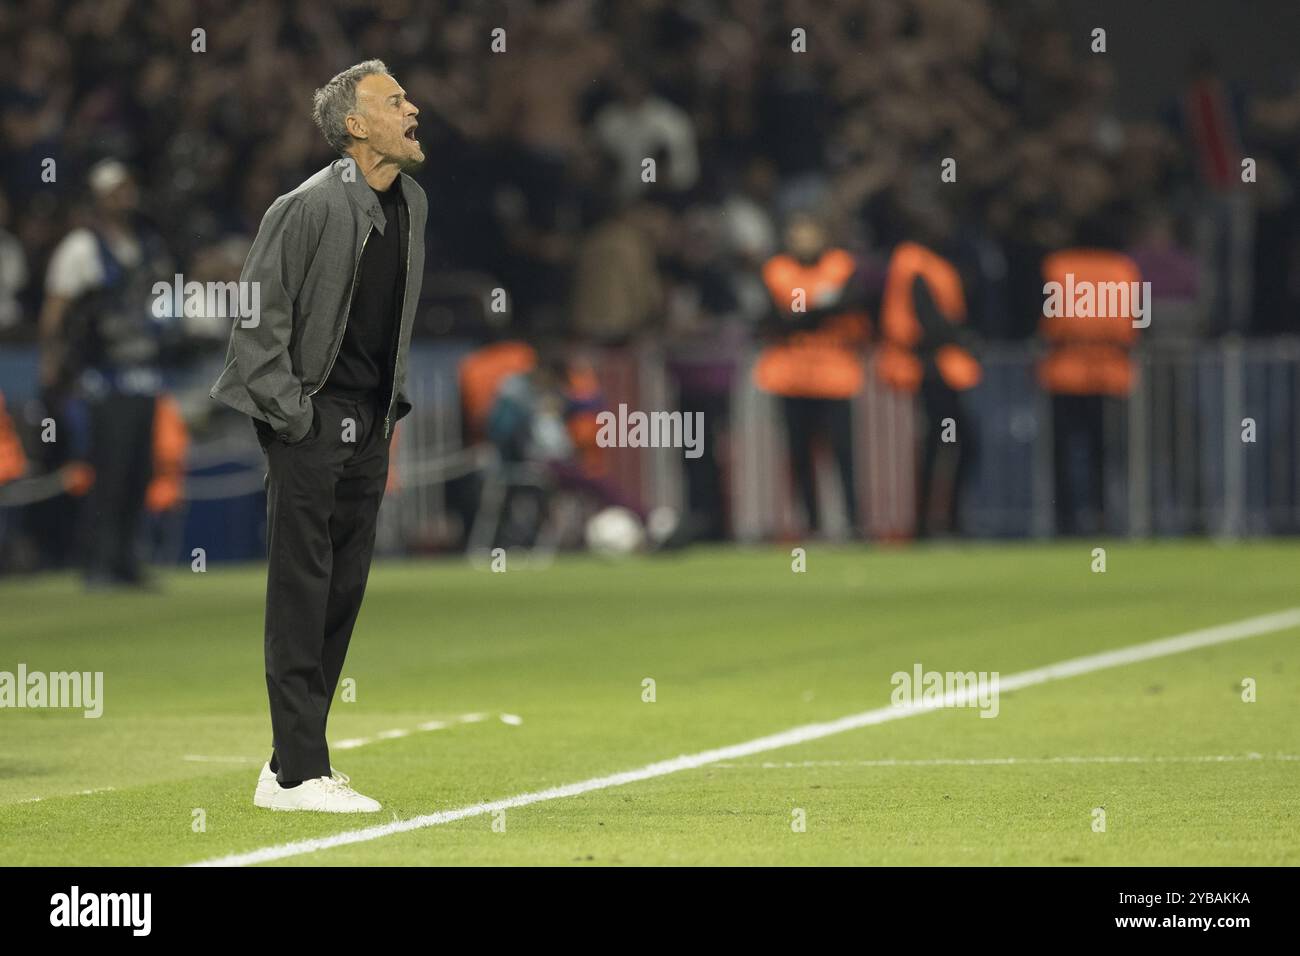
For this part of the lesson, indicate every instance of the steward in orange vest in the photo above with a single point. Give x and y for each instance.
(816, 350)
(927, 348)
(922, 319)
(816, 329)
(1087, 324)
(1089, 354)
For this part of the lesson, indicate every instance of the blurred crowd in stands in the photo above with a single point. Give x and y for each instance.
(536, 151)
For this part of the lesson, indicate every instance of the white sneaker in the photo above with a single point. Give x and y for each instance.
(323, 795)
(267, 785)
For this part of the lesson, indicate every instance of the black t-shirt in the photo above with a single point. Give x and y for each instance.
(365, 358)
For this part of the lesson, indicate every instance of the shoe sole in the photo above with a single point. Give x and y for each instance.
(267, 802)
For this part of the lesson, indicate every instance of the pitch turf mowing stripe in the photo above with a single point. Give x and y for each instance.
(1177, 644)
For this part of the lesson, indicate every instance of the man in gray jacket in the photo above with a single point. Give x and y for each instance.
(337, 264)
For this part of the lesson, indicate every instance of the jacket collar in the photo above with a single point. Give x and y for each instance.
(359, 191)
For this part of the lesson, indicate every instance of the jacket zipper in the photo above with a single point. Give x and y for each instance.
(397, 346)
(347, 313)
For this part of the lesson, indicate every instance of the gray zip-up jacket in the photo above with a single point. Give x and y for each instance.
(305, 260)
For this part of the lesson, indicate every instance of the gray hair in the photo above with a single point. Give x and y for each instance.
(331, 104)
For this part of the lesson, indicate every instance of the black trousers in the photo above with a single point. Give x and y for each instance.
(938, 401)
(806, 419)
(322, 505)
(1089, 449)
(706, 503)
(121, 452)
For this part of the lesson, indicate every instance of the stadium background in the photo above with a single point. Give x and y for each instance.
(1145, 702)
(522, 186)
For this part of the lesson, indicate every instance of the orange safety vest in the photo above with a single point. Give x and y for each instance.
(583, 427)
(823, 363)
(171, 440)
(896, 362)
(481, 374)
(1089, 355)
(13, 462)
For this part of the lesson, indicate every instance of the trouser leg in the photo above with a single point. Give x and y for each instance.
(101, 523)
(967, 452)
(1064, 429)
(137, 450)
(121, 456)
(839, 432)
(941, 403)
(300, 504)
(1093, 427)
(929, 459)
(705, 497)
(799, 427)
(1114, 473)
(357, 497)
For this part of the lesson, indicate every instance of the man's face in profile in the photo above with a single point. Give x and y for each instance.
(389, 120)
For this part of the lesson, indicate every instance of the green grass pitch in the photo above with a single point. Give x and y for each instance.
(738, 647)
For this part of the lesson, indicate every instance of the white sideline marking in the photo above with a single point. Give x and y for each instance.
(1206, 637)
(1000, 761)
(75, 793)
(352, 743)
(513, 720)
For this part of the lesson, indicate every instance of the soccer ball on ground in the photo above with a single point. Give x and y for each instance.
(614, 531)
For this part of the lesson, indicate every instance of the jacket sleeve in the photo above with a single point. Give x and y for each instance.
(278, 263)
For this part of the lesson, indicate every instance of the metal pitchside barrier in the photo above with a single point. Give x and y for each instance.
(1186, 470)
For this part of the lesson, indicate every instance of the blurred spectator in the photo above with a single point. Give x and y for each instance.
(639, 126)
(1210, 115)
(1275, 124)
(816, 327)
(707, 325)
(618, 292)
(926, 348)
(103, 341)
(1163, 260)
(1089, 372)
(13, 271)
